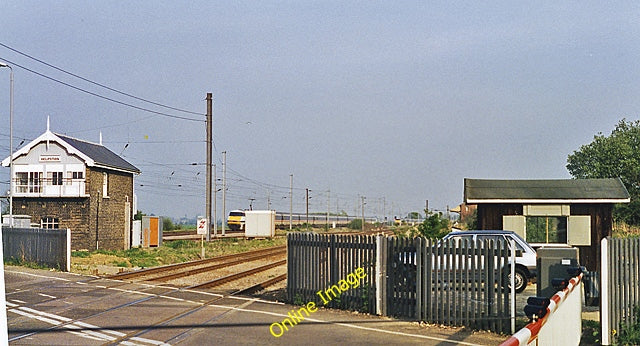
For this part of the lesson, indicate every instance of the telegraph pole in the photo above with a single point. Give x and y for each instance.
(328, 205)
(290, 202)
(209, 149)
(224, 191)
(384, 209)
(215, 202)
(268, 199)
(307, 209)
(363, 213)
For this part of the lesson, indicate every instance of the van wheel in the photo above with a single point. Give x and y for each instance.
(520, 280)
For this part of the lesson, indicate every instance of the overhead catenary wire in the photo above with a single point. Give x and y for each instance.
(98, 84)
(237, 184)
(101, 96)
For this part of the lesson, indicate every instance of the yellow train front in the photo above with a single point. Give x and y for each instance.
(236, 220)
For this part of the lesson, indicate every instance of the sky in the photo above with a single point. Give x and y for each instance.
(393, 101)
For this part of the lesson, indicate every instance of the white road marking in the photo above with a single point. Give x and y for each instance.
(77, 327)
(37, 275)
(46, 295)
(45, 314)
(39, 318)
(346, 325)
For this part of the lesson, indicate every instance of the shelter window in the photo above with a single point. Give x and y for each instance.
(547, 229)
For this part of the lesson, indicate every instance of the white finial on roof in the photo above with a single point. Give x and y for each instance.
(100, 137)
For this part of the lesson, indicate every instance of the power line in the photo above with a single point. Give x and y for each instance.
(113, 125)
(98, 95)
(99, 84)
(156, 142)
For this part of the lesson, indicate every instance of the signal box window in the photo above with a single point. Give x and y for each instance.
(49, 222)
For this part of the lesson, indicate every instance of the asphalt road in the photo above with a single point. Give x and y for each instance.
(46, 307)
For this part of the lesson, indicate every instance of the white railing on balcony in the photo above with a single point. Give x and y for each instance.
(46, 188)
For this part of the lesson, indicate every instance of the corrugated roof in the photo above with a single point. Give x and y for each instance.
(610, 190)
(100, 154)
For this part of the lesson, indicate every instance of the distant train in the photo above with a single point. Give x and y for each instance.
(236, 220)
(298, 219)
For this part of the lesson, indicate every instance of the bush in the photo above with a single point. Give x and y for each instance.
(434, 226)
(167, 224)
(630, 333)
(355, 224)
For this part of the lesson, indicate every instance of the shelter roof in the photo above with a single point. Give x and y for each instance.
(551, 191)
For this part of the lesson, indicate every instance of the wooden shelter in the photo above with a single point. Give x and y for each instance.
(577, 212)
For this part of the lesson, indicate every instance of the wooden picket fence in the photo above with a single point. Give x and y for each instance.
(620, 285)
(315, 262)
(48, 247)
(457, 284)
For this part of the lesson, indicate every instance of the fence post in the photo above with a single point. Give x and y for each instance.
(68, 250)
(3, 299)
(379, 277)
(418, 263)
(604, 292)
(512, 291)
(385, 278)
(334, 268)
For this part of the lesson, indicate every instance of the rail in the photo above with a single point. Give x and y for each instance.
(261, 286)
(232, 277)
(195, 271)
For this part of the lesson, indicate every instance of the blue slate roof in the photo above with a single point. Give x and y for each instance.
(100, 154)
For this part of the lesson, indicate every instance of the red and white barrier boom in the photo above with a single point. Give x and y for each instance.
(543, 310)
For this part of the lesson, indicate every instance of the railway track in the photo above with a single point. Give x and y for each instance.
(177, 318)
(201, 274)
(232, 277)
(197, 274)
(192, 235)
(205, 269)
(180, 318)
(261, 286)
(182, 270)
(135, 334)
(178, 266)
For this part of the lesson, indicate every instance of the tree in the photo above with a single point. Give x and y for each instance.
(470, 221)
(138, 215)
(167, 224)
(616, 155)
(414, 215)
(434, 226)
